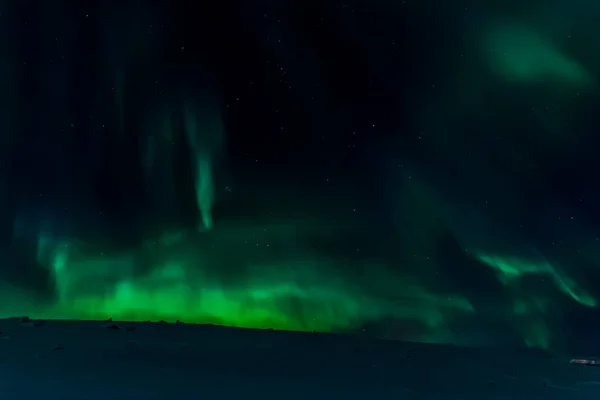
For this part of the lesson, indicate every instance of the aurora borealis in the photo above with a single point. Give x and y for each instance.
(407, 170)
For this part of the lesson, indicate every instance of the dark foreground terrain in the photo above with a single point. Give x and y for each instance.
(108, 360)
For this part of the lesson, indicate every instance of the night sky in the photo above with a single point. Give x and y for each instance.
(413, 170)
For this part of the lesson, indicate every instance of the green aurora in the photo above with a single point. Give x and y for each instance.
(458, 261)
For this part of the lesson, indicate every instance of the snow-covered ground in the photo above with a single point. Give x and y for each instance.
(105, 360)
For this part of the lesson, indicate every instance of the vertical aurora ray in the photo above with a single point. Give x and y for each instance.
(199, 139)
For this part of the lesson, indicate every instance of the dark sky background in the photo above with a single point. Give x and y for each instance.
(411, 169)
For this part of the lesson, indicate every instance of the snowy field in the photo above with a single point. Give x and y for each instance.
(105, 360)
